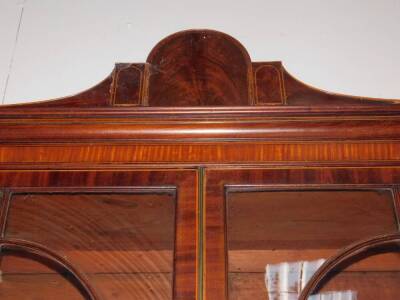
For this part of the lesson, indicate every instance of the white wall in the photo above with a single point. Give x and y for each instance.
(63, 47)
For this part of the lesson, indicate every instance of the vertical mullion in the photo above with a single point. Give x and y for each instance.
(201, 246)
(396, 196)
(4, 206)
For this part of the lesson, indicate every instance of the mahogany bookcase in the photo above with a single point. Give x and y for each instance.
(183, 177)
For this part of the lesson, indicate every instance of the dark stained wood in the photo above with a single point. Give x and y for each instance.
(298, 94)
(127, 87)
(87, 226)
(269, 85)
(97, 96)
(97, 178)
(171, 130)
(218, 180)
(355, 252)
(199, 68)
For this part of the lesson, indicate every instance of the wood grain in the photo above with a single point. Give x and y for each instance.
(127, 84)
(150, 130)
(44, 287)
(223, 153)
(369, 285)
(204, 68)
(199, 68)
(219, 180)
(253, 261)
(268, 78)
(94, 221)
(306, 219)
(59, 212)
(110, 261)
(200, 118)
(122, 286)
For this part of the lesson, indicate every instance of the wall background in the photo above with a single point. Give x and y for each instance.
(50, 49)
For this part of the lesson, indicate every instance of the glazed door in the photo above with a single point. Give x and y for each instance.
(291, 233)
(99, 234)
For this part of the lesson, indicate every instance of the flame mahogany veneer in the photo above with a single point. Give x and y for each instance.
(193, 123)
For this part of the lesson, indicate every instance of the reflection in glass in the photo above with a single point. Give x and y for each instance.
(374, 274)
(272, 227)
(49, 281)
(123, 242)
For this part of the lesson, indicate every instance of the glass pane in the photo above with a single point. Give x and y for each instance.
(283, 229)
(52, 282)
(123, 242)
(371, 276)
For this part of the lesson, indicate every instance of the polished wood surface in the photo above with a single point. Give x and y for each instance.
(326, 276)
(127, 184)
(369, 286)
(197, 68)
(99, 221)
(219, 181)
(288, 226)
